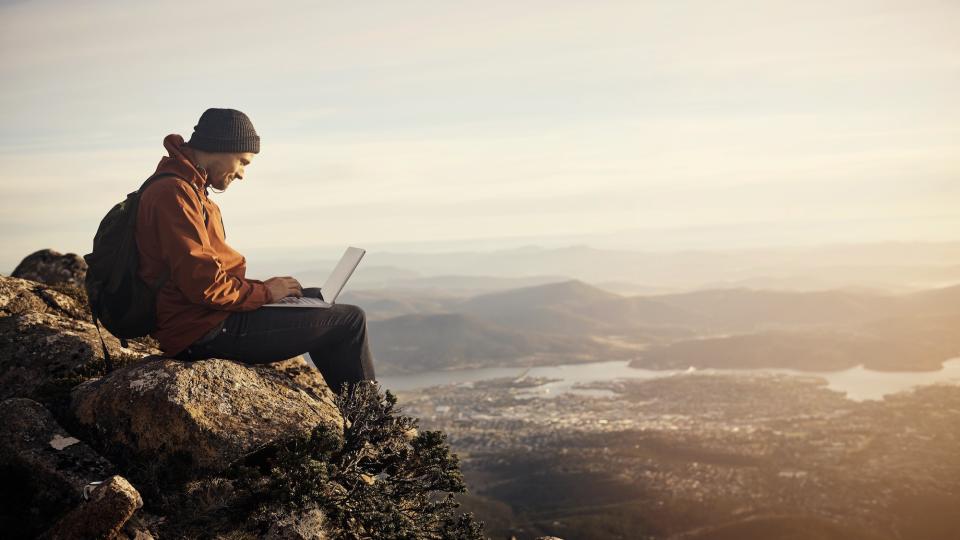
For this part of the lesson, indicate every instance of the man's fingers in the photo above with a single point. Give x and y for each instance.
(291, 286)
(294, 287)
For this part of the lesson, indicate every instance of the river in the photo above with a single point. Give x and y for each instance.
(857, 383)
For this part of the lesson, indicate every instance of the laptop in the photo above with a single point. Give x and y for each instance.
(334, 284)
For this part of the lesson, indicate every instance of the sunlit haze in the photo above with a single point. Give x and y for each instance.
(494, 124)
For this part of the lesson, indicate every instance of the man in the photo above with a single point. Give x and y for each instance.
(207, 307)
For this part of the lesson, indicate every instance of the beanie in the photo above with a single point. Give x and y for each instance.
(224, 130)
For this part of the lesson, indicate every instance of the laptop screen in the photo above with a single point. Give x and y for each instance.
(338, 278)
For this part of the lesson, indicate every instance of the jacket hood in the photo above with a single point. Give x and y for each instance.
(180, 161)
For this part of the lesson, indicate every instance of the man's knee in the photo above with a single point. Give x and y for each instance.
(355, 312)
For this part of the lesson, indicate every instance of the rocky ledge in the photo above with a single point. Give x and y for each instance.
(214, 448)
(212, 412)
(160, 420)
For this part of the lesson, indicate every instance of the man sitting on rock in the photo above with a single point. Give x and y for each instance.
(207, 308)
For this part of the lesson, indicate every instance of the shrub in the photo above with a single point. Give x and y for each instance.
(382, 479)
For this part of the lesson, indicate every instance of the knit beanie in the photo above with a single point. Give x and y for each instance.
(224, 130)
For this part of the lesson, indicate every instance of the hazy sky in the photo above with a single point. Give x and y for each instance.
(435, 122)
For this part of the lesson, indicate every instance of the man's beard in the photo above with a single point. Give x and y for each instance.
(225, 186)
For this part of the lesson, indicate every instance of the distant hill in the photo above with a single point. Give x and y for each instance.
(415, 343)
(827, 331)
(384, 304)
(745, 310)
(880, 278)
(463, 285)
(574, 307)
(562, 308)
(365, 276)
(936, 330)
(806, 350)
(392, 278)
(627, 288)
(571, 293)
(933, 301)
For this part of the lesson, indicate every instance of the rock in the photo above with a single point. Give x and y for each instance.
(30, 438)
(102, 515)
(183, 418)
(137, 528)
(20, 296)
(301, 375)
(44, 468)
(50, 267)
(47, 341)
(306, 524)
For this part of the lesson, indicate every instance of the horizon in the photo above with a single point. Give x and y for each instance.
(327, 255)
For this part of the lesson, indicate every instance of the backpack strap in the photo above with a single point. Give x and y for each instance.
(157, 176)
(106, 354)
(166, 275)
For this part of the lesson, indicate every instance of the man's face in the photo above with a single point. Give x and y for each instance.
(225, 167)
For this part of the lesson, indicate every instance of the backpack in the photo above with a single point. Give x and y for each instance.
(118, 297)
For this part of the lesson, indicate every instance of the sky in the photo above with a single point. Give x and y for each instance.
(461, 125)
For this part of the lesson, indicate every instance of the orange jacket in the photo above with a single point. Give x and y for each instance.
(206, 275)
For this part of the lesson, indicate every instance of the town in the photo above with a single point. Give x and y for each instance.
(694, 454)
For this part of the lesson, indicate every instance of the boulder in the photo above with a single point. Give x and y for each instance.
(47, 340)
(44, 468)
(20, 296)
(53, 268)
(108, 507)
(179, 419)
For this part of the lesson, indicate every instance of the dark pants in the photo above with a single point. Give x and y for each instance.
(335, 337)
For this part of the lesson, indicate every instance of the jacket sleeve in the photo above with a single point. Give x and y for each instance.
(185, 248)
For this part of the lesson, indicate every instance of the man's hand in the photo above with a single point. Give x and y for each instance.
(282, 287)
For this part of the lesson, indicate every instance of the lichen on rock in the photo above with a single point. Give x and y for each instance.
(48, 341)
(199, 416)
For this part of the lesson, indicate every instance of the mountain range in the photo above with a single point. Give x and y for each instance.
(572, 321)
